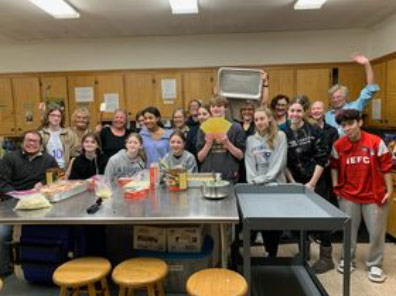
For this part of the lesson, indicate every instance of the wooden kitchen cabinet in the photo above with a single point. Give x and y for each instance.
(26, 93)
(109, 84)
(391, 227)
(166, 106)
(139, 92)
(7, 112)
(380, 78)
(281, 81)
(55, 87)
(198, 85)
(314, 83)
(83, 81)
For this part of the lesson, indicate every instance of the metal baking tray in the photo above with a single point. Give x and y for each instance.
(61, 195)
(240, 83)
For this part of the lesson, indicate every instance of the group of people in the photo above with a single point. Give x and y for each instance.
(292, 141)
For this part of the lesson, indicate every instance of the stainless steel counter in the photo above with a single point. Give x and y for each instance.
(158, 207)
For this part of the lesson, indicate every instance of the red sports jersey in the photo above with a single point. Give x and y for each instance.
(361, 166)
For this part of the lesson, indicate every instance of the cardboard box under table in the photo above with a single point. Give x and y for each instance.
(182, 265)
(287, 207)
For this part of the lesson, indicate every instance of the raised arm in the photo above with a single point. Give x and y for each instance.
(363, 60)
(265, 95)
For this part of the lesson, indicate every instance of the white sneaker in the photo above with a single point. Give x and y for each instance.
(340, 267)
(376, 274)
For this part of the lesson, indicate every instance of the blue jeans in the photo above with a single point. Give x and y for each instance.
(5, 249)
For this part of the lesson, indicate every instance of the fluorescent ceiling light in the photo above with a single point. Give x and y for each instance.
(57, 8)
(309, 4)
(184, 6)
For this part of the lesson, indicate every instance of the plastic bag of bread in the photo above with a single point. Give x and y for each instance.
(33, 202)
(102, 187)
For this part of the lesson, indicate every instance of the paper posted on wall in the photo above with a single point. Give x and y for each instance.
(84, 94)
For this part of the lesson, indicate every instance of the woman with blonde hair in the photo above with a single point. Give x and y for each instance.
(80, 120)
(265, 161)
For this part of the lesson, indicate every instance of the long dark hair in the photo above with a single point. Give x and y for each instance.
(154, 110)
(97, 140)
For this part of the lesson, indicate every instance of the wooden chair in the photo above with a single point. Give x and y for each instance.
(216, 282)
(83, 273)
(141, 272)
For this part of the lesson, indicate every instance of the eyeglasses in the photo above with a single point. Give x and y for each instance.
(34, 141)
(55, 115)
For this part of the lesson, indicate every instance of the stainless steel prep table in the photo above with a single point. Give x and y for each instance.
(288, 207)
(158, 207)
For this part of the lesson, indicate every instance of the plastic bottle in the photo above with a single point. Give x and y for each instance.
(154, 175)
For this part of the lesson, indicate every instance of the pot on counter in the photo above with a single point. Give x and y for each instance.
(215, 189)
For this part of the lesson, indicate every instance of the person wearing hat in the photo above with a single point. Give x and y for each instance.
(361, 167)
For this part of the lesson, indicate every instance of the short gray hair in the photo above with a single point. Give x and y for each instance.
(336, 87)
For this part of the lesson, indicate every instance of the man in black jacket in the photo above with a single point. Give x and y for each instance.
(21, 170)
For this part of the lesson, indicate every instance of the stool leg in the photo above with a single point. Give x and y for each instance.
(160, 287)
(63, 291)
(130, 292)
(151, 290)
(75, 291)
(122, 291)
(105, 287)
(91, 290)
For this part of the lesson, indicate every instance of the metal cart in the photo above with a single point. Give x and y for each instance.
(287, 207)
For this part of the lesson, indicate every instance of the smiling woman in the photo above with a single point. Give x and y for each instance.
(113, 137)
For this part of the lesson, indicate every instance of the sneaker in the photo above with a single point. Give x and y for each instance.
(340, 267)
(376, 274)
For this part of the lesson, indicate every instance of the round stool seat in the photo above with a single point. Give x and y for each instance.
(81, 271)
(139, 271)
(215, 282)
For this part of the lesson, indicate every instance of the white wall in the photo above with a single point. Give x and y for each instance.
(183, 51)
(382, 38)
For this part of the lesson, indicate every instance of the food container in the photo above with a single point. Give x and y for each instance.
(64, 189)
(195, 180)
(176, 179)
(215, 189)
(240, 83)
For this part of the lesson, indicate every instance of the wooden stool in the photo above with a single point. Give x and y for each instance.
(1, 284)
(80, 272)
(140, 272)
(216, 282)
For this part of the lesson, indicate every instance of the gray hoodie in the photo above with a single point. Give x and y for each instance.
(120, 165)
(263, 164)
(186, 160)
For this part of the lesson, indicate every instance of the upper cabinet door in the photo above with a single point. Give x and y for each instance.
(354, 78)
(54, 90)
(380, 78)
(26, 100)
(198, 86)
(82, 94)
(7, 126)
(110, 90)
(139, 92)
(314, 83)
(168, 94)
(281, 81)
(391, 74)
